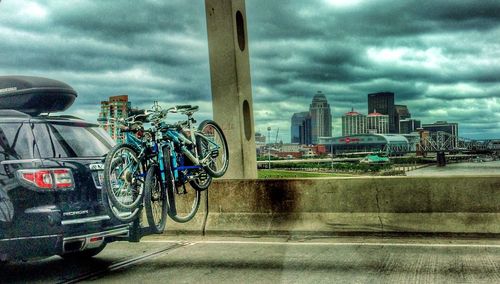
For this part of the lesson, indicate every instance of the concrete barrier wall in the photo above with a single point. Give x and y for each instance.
(350, 205)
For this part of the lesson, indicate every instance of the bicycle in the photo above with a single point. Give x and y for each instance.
(125, 167)
(187, 155)
(154, 165)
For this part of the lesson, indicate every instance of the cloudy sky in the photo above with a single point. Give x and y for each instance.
(441, 58)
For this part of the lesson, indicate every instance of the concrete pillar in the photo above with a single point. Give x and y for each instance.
(231, 84)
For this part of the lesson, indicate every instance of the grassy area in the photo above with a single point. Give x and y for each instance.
(265, 174)
(339, 167)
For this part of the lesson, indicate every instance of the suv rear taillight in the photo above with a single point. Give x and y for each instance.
(47, 179)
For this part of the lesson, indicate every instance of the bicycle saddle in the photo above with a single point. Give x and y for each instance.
(187, 108)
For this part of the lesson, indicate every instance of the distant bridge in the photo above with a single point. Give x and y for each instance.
(442, 141)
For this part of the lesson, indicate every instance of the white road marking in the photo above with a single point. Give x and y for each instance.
(332, 244)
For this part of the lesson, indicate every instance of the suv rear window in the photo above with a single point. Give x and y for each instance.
(16, 141)
(63, 140)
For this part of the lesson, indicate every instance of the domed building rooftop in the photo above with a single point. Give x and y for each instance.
(375, 113)
(352, 113)
(319, 98)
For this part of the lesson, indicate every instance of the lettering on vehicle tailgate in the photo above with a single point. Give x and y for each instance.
(96, 167)
(73, 213)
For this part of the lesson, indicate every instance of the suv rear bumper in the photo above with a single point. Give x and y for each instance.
(46, 245)
(83, 242)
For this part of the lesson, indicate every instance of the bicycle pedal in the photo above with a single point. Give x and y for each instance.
(214, 153)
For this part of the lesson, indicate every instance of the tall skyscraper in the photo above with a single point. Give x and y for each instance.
(115, 108)
(321, 117)
(377, 123)
(306, 132)
(301, 128)
(353, 123)
(402, 113)
(383, 103)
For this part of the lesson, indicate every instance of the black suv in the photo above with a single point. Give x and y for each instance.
(51, 201)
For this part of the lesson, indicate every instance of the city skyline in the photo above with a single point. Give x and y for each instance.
(440, 59)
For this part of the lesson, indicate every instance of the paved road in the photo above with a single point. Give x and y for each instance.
(274, 260)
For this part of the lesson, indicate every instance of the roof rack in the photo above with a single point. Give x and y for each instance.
(13, 113)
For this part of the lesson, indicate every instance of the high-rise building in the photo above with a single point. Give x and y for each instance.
(115, 108)
(407, 126)
(377, 123)
(306, 132)
(301, 128)
(383, 102)
(321, 117)
(353, 123)
(402, 113)
(443, 126)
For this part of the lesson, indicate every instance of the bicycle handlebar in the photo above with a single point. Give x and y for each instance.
(135, 121)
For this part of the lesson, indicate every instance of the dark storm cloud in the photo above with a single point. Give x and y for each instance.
(123, 20)
(438, 57)
(149, 50)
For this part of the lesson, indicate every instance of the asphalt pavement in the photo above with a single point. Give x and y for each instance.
(160, 259)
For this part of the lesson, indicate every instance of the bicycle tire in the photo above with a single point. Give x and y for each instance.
(154, 196)
(213, 169)
(173, 197)
(133, 197)
(125, 216)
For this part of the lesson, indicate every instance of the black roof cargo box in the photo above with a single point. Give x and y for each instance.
(34, 95)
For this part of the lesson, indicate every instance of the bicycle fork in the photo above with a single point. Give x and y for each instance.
(167, 154)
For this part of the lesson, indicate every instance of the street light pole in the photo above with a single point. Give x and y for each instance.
(331, 153)
(269, 147)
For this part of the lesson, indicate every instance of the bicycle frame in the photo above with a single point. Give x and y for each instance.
(131, 139)
(175, 140)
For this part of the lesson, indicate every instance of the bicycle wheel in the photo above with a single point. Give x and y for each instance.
(124, 216)
(213, 145)
(155, 201)
(124, 178)
(182, 204)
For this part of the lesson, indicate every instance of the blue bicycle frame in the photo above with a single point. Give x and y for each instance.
(176, 167)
